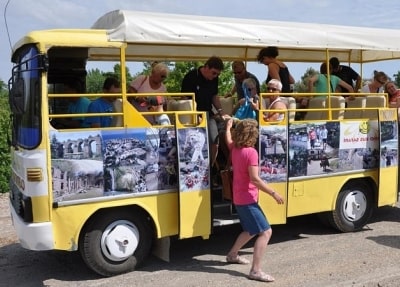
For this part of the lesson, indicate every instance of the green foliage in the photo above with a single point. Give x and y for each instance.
(302, 85)
(95, 78)
(225, 79)
(94, 81)
(5, 159)
(180, 69)
(397, 79)
(177, 72)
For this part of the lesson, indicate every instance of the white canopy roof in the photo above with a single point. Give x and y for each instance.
(198, 37)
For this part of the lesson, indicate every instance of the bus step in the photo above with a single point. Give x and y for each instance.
(225, 220)
(223, 208)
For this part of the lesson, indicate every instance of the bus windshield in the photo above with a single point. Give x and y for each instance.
(25, 99)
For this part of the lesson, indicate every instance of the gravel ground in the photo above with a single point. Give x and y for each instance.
(301, 253)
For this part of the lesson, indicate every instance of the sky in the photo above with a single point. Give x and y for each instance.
(22, 16)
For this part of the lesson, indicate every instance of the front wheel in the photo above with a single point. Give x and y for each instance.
(115, 242)
(354, 207)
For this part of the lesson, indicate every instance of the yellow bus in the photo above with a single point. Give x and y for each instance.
(117, 193)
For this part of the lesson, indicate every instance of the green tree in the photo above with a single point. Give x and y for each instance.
(95, 78)
(3, 89)
(180, 69)
(302, 85)
(94, 81)
(177, 73)
(397, 78)
(5, 159)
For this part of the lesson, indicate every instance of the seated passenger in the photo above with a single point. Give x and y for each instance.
(393, 94)
(76, 105)
(149, 84)
(251, 98)
(376, 86)
(274, 87)
(103, 105)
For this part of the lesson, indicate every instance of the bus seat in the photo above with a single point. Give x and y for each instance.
(316, 103)
(290, 103)
(265, 103)
(181, 105)
(227, 105)
(338, 102)
(374, 101)
(357, 102)
(117, 108)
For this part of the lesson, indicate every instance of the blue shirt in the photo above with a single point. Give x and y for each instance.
(80, 106)
(100, 105)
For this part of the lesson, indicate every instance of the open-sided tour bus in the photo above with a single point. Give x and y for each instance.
(117, 193)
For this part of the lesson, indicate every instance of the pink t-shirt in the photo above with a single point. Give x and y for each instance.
(142, 85)
(244, 192)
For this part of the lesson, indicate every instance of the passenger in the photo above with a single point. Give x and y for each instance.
(155, 104)
(320, 81)
(249, 88)
(149, 84)
(376, 86)
(103, 105)
(393, 94)
(76, 105)
(240, 73)
(246, 186)
(312, 136)
(276, 69)
(347, 74)
(274, 87)
(203, 82)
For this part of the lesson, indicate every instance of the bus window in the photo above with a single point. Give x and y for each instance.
(25, 98)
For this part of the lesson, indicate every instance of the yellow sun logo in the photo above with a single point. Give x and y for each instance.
(364, 128)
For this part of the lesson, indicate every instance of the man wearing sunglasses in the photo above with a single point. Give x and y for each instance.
(240, 73)
(203, 82)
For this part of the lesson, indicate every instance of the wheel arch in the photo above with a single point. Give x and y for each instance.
(368, 181)
(354, 205)
(134, 208)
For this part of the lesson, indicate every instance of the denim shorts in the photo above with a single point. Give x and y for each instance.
(252, 218)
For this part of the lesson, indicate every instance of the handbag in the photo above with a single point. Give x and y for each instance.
(245, 111)
(227, 180)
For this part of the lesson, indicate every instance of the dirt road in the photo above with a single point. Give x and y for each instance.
(301, 253)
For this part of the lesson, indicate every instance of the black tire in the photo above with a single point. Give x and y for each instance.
(354, 207)
(115, 242)
(324, 218)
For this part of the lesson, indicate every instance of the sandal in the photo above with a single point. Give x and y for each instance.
(236, 259)
(261, 276)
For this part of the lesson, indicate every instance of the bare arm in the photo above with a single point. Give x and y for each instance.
(238, 104)
(228, 136)
(346, 86)
(254, 104)
(358, 84)
(217, 104)
(273, 116)
(260, 184)
(311, 82)
(232, 92)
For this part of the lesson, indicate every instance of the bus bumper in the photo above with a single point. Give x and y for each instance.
(33, 236)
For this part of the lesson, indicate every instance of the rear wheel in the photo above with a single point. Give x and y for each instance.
(115, 242)
(354, 207)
